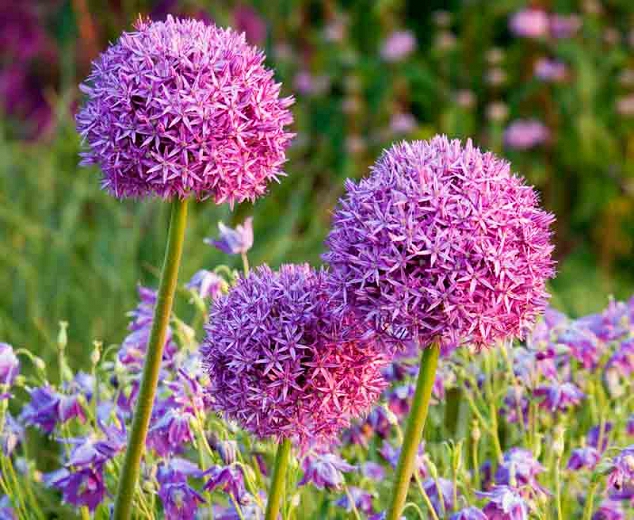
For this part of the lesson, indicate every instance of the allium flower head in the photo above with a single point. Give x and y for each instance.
(398, 46)
(523, 134)
(180, 108)
(530, 23)
(281, 364)
(441, 240)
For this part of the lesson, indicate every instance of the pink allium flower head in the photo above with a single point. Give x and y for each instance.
(523, 134)
(398, 46)
(281, 364)
(441, 241)
(180, 108)
(530, 23)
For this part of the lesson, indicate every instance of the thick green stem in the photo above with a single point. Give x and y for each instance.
(414, 431)
(276, 491)
(152, 366)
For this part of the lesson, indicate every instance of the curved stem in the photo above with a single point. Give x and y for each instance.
(414, 431)
(278, 480)
(152, 366)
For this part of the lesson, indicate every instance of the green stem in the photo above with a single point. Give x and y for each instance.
(278, 480)
(587, 510)
(152, 366)
(414, 431)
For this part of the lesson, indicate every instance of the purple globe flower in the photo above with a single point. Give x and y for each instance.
(441, 241)
(9, 365)
(180, 108)
(281, 364)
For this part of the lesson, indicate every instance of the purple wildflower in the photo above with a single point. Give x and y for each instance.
(609, 510)
(559, 397)
(228, 479)
(530, 23)
(622, 472)
(42, 410)
(505, 503)
(622, 361)
(9, 365)
(180, 501)
(470, 513)
(599, 434)
(373, 471)
(177, 469)
(550, 70)
(402, 124)
(441, 494)
(519, 468)
(630, 425)
(6, 509)
(84, 487)
(281, 364)
(516, 405)
(325, 470)
(11, 435)
(362, 500)
(398, 46)
(206, 284)
(586, 457)
(228, 450)
(564, 26)
(523, 134)
(582, 344)
(180, 108)
(234, 241)
(171, 432)
(391, 454)
(441, 241)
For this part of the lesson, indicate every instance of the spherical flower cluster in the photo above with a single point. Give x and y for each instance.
(441, 241)
(281, 364)
(179, 108)
(530, 23)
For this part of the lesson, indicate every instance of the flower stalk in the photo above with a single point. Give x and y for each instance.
(276, 492)
(414, 431)
(152, 366)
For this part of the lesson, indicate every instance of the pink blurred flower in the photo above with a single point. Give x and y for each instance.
(523, 134)
(550, 70)
(398, 46)
(564, 26)
(530, 23)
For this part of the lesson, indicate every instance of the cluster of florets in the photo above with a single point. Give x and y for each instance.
(441, 241)
(281, 364)
(180, 108)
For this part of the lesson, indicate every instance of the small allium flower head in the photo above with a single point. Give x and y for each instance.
(441, 240)
(281, 364)
(523, 134)
(180, 108)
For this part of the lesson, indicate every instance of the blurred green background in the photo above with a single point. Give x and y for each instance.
(364, 75)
